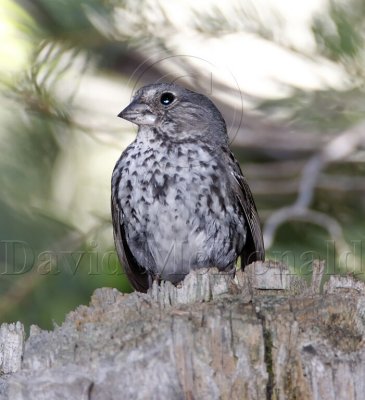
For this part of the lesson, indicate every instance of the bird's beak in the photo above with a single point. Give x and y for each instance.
(138, 113)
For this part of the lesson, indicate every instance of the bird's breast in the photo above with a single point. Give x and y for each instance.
(172, 186)
(178, 201)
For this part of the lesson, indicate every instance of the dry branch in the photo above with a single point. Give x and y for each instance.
(338, 148)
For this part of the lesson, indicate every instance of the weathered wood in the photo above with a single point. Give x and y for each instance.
(11, 347)
(262, 335)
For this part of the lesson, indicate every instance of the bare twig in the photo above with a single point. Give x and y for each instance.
(339, 148)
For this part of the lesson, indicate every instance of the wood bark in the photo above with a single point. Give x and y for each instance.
(265, 334)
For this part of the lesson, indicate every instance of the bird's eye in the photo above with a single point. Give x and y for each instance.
(167, 98)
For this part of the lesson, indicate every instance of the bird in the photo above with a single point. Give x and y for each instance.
(179, 200)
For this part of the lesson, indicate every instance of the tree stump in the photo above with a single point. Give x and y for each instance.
(265, 334)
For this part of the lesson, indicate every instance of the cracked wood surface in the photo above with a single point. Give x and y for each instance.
(263, 335)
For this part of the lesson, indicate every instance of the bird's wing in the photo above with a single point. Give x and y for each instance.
(253, 249)
(136, 274)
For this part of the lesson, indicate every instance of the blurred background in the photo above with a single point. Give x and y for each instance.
(287, 76)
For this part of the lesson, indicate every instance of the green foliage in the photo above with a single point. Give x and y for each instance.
(326, 111)
(340, 34)
(66, 20)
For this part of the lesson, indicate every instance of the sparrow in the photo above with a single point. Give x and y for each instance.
(179, 200)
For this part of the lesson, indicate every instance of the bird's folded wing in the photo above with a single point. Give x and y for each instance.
(254, 247)
(137, 275)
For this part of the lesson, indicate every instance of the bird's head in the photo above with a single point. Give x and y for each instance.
(177, 111)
